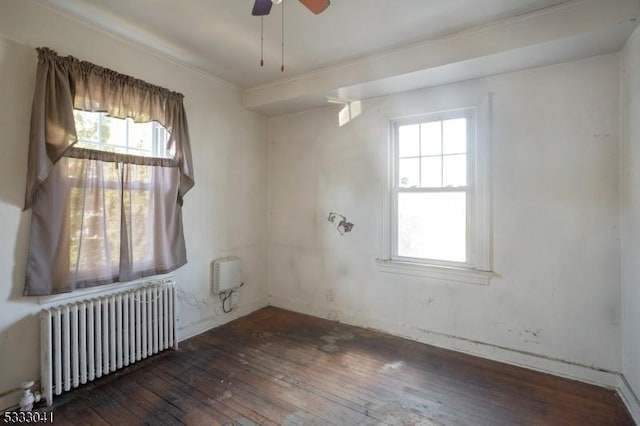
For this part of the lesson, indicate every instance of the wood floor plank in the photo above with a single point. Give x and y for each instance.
(313, 382)
(363, 380)
(253, 387)
(278, 367)
(193, 375)
(148, 407)
(111, 411)
(185, 397)
(232, 395)
(77, 413)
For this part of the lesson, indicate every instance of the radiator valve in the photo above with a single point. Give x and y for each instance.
(28, 398)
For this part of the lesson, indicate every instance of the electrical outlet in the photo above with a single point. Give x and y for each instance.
(235, 296)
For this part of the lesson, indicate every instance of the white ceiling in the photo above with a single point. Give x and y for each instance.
(360, 48)
(222, 38)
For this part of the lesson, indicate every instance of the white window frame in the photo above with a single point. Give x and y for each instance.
(477, 268)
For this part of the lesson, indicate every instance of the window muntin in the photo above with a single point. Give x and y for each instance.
(98, 131)
(432, 154)
(431, 198)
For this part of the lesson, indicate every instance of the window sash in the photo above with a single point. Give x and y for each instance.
(468, 189)
(395, 228)
(158, 139)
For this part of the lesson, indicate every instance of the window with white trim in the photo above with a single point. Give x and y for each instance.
(438, 196)
(98, 131)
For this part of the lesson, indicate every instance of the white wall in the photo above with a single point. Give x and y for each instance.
(555, 214)
(223, 214)
(631, 212)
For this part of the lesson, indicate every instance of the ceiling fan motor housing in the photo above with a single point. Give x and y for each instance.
(263, 7)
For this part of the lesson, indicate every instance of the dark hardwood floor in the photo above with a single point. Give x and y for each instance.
(278, 367)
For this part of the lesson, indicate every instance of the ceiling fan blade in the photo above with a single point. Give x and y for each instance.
(316, 6)
(261, 7)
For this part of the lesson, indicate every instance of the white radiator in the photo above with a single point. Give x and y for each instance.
(83, 341)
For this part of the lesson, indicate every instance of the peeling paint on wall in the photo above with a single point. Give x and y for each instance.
(342, 226)
(532, 336)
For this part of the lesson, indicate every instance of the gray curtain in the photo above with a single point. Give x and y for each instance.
(100, 217)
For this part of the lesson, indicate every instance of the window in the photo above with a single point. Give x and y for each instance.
(97, 188)
(106, 182)
(437, 219)
(98, 131)
(431, 191)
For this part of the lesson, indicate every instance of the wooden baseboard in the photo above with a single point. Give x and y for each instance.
(10, 400)
(630, 399)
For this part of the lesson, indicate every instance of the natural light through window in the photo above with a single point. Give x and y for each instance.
(430, 185)
(436, 213)
(98, 131)
(92, 251)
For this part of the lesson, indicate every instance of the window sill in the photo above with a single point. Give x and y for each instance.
(461, 275)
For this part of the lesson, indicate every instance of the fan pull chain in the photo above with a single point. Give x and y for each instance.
(282, 40)
(262, 41)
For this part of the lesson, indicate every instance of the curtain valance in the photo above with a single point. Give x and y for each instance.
(65, 83)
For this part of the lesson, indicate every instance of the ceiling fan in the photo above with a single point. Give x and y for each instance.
(263, 7)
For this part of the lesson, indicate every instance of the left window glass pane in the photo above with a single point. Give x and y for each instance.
(141, 137)
(409, 173)
(409, 141)
(432, 226)
(117, 134)
(87, 126)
